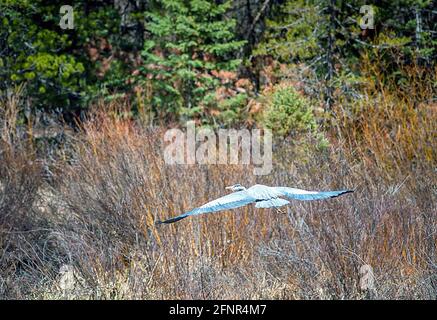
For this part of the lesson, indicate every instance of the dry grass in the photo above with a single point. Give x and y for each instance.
(90, 232)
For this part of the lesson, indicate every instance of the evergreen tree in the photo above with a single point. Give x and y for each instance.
(327, 36)
(189, 41)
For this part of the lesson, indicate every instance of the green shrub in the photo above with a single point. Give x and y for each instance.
(288, 113)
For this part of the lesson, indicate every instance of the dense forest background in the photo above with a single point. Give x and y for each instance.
(349, 89)
(205, 60)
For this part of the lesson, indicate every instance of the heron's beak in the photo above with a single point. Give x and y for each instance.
(228, 188)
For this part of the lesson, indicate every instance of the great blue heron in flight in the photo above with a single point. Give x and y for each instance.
(262, 196)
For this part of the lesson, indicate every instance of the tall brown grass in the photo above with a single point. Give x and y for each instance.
(94, 236)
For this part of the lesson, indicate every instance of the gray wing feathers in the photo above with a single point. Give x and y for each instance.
(304, 195)
(230, 201)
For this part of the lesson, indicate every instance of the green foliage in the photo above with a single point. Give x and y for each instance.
(97, 23)
(288, 113)
(50, 60)
(188, 41)
(290, 32)
(327, 37)
(36, 55)
(180, 56)
(232, 110)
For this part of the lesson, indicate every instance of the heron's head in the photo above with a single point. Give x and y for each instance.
(236, 187)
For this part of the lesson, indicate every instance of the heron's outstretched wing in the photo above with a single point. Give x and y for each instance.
(230, 201)
(300, 194)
